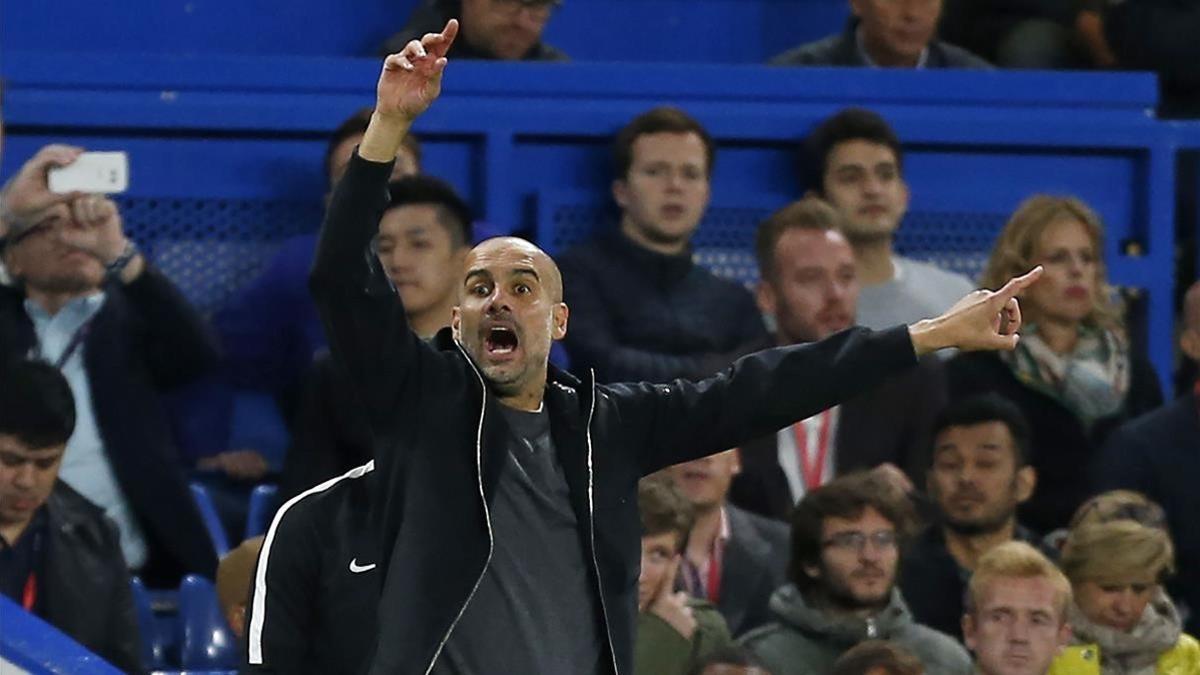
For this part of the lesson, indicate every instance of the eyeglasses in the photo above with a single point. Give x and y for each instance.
(539, 9)
(857, 541)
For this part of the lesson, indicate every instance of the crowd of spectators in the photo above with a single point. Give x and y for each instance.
(1015, 512)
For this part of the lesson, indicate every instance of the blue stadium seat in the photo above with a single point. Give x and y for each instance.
(154, 643)
(212, 522)
(263, 502)
(205, 639)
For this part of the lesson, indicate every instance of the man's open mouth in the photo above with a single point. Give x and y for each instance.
(500, 340)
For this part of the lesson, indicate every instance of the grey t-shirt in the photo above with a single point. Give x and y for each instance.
(918, 291)
(535, 610)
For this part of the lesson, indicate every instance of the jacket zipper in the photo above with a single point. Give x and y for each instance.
(592, 531)
(487, 517)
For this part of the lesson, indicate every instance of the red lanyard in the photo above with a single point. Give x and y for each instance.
(812, 473)
(714, 571)
(29, 595)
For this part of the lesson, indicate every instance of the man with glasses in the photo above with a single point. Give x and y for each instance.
(88, 302)
(845, 550)
(494, 30)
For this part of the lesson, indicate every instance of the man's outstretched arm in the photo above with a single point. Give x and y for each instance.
(364, 318)
(772, 389)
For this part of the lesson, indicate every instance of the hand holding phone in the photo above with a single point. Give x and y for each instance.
(93, 173)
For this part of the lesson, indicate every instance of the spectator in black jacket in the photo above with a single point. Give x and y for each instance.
(641, 309)
(500, 30)
(59, 556)
(885, 34)
(978, 476)
(1074, 375)
(89, 302)
(506, 488)
(312, 606)
(1158, 35)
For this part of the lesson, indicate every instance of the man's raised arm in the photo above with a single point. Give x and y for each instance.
(364, 317)
(772, 389)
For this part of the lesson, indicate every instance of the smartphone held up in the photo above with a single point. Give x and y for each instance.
(92, 172)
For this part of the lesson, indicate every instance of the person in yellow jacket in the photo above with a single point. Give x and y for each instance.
(1123, 621)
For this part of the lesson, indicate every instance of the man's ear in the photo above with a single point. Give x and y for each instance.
(1189, 344)
(968, 629)
(1065, 633)
(765, 298)
(620, 192)
(561, 314)
(1026, 483)
(237, 619)
(456, 323)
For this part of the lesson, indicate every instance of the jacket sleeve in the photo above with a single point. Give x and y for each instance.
(280, 615)
(659, 649)
(591, 340)
(330, 437)
(176, 343)
(932, 389)
(364, 318)
(757, 395)
(123, 644)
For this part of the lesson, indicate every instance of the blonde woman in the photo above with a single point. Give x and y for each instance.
(1072, 374)
(1123, 621)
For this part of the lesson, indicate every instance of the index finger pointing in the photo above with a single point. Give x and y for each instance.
(440, 43)
(1018, 284)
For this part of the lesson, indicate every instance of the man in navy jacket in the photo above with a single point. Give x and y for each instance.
(89, 302)
(501, 479)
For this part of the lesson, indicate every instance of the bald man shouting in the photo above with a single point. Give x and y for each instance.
(508, 506)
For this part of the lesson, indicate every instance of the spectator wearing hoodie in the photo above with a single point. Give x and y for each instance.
(846, 537)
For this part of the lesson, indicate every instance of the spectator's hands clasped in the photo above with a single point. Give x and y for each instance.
(983, 320)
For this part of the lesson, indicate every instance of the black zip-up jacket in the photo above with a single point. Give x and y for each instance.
(312, 603)
(440, 440)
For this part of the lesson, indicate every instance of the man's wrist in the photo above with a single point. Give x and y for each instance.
(383, 137)
(926, 336)
(115, 265)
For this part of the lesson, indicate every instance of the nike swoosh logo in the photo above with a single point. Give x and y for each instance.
(359, 569)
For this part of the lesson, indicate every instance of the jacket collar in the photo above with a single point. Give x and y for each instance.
(793, 610)
(659, 266)
(849, 50)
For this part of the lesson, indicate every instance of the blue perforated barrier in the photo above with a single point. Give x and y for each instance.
(226, 151)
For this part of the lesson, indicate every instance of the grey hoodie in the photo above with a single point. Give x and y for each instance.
(806, 641)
